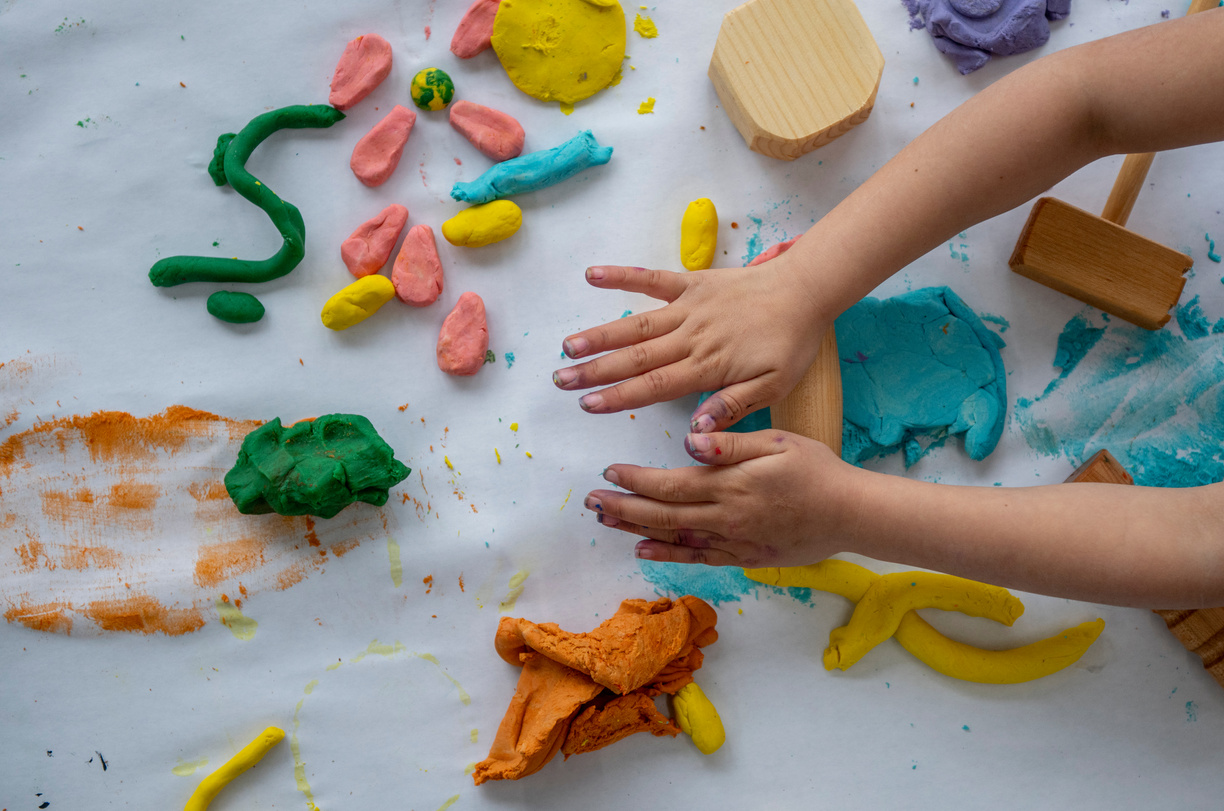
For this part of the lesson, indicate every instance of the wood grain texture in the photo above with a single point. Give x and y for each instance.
(1126, 187)
(814, 407)
(1100, 263)
(1200, 630)
(795, 74)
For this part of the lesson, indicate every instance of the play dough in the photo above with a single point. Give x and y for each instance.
(772, 252)
(369, 247)
(698, 234)
(919, 366)
(475, 31)
(417, 274)
(313, 467)
(699, 719)
(536, 170)
(235, 307)
(378, 152)
(432, 89)
(970, 31)
(357, 302)
(483, 225)
(464, 337)
(247, 757)
(646, 648)
(228, 165)
(366, 61)
(498, 136)
(560, 50)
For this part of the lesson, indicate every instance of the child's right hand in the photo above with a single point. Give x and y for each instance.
(749, 334)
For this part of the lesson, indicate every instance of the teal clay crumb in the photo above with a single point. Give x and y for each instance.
(313, 467)
(1211, 251)
(234, 307)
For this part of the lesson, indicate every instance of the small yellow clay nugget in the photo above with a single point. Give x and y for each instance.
(357, 302)
(251, 754)
(483, 224)
(699, 719)
(698, 234)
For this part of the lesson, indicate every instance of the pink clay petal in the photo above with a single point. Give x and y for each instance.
(498, 135)
(378, 152)
(464, 337)
(417, 274)
(770, 253)
(368, 248)
(475, 31)
(366, 61)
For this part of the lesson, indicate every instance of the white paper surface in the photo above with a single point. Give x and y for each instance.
(89, 206)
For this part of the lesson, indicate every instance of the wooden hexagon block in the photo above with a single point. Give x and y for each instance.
(795, 74)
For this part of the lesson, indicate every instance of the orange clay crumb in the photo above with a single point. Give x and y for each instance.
(735, 225)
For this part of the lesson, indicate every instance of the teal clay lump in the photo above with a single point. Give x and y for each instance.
(228, 165)
(235, 307)
(316, 467)
(533, 171)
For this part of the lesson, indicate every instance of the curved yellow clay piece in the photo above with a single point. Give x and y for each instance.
(947, 656)
(357, 302)
(251, 754)
(698, 234)
(483, 224)
(699, 719)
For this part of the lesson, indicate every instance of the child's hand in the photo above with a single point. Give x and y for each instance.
(753, 331)
(768, 498)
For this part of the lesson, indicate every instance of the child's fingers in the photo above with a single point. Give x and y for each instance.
(730, 405)
(686, 485)
(729, 448)
(660, 284)
(621, 364)
(654, 386)
(648, 514)
(695, 538)
(674, 553)
(627, 331)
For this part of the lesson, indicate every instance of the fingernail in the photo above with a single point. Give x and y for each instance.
(607, 520)
(698, 443)
(564, 378)
(595, 274)
(592, 504)
(590, 402)
(703, 424)
(575, 346)
(644, 552)
(610, 476)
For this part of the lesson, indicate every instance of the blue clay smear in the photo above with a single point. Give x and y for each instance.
(714, 584)
(534, 171)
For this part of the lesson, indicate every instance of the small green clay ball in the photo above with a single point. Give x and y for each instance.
(236, 308)
(432, 89)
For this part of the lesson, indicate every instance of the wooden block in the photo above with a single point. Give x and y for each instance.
(1100, 263)
(814, 407)
(1200, 631)
(795, 74)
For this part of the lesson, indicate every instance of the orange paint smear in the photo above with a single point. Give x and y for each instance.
(144, 614)
(461, 582)
(428, 581)
(208, 491)
(221, 561)
(50, 617)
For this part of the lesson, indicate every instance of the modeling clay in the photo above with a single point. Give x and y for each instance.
(368, 248)
(314, 467)
(580, 54)
(357, 302)
(417, 274)
(497, 135)
(229, 166)
(483, 225)
(598, 726)
(699, 719)
(698, 234)
(536, 170)
(366, 61)
(645, 27)
(234, 307)
(432, 89)
(947, 656)
(378, 152)
(772, 251)
(970, 31)
(475, 31)
(247, 757)
(464, 337)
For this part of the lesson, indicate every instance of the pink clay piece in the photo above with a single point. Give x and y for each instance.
(378, 152)
(770, 253)
(369, 247)
(464, 337)
(366, 61)
(475, 31)
(491, 131)
(417, 274)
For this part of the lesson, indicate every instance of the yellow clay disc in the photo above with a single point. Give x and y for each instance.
(560, 50)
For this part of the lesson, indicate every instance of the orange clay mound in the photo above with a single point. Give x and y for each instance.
(645, 649)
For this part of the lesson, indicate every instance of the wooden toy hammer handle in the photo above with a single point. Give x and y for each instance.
(1126, 187)
(814, 407)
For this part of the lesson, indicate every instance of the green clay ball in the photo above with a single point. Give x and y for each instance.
(236, 308)
(432, 89)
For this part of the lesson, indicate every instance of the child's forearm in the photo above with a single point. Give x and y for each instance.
(1118, 544)
(1142, 91)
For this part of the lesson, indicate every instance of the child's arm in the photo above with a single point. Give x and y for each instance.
(752, 334)
(775, 499)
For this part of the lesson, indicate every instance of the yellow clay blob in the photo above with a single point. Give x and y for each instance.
(250, 754)
(698, 717)
(357, 302)
(645, 27)
(560, 50)
(947, 656)
(698, 234)
(483, 224)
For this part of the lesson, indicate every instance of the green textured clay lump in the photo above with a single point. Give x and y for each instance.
(314, 467)
(235, 307)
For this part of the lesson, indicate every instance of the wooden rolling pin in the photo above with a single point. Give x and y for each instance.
(814, 407)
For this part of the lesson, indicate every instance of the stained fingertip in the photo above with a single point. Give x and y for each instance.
(607, 520)
(645, 551)
(596, 273)
(575, 347)
(609, 475)
(702, 424)
(564, 378)
(591, 402)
